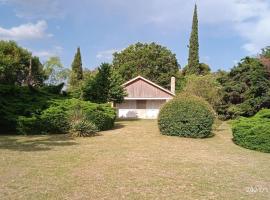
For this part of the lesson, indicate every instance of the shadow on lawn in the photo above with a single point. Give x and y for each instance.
(35, 143)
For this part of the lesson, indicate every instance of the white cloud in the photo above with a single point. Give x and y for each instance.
(106, 55)
(248, 19)
(45, 54)
(25, 32)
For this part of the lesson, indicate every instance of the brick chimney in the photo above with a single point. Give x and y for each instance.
(173, 85)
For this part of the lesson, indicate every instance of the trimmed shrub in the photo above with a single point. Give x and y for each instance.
(54, 120)
(186, 116)
(254, 132)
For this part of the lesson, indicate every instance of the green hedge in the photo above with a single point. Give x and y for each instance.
(24, 101)
(186, 116)
(56, 118)
(254, 132)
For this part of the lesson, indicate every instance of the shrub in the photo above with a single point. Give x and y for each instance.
(79, 125)
(83, 128)
(55, 120)
(254, 132)
(21, 101)
(186, 116)
(29, 125)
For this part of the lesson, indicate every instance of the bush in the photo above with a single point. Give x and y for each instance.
(186, 116)
(79, 125)
(83, 128)
(54, 120)
(29, 125)
(254, 132)
(21, 101)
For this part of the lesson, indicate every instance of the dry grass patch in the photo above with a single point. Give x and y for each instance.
(133, 161)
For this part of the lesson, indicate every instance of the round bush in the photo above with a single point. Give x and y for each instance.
(254, 132)
(186, 116)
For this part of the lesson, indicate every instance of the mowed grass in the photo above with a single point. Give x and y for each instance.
(133, 161)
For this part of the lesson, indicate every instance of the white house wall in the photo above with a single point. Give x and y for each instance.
(128, 109)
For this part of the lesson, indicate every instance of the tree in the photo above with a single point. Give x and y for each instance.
(55, 71)
(77, 71)
(193, 58)
(18, 66)
(246, 89)
(104, 87)
(203, 69)
(151, 61)
(206, 87)
(265, 59)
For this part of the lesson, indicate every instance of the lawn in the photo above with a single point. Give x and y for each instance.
(133, 161)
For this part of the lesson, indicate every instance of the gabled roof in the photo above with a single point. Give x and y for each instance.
(148, 81)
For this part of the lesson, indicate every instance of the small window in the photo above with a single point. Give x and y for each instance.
(141, 104)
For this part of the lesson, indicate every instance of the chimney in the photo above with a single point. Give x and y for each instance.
(173, 85)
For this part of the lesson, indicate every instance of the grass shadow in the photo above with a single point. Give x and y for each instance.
(35, 143)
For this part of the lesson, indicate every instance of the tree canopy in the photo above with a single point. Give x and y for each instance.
(193, 66)
(151, 61)
(76, 67)
(18, 66)
(55, 71)
(246, 89)
(104, 87)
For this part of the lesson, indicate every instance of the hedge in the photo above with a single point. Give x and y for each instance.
(254, 132)
(186, 116)
(56, 118)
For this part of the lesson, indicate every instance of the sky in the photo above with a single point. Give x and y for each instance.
(228, 29)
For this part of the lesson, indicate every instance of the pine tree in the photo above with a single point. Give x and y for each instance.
(193, 59)
(105, 87)
(77, 71)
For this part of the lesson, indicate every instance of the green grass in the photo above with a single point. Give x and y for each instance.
(133, 161)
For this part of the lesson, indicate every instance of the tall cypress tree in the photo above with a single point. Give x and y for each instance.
(77, 71)
(193, 58)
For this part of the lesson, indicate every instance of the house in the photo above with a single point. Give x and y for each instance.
(144, 98)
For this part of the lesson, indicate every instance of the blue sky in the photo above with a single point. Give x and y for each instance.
(228, 29)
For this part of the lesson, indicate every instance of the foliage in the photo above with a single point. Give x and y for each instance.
(206, 87)
(151, 61)
(54, 120)
(18, 66)
(18, 101)
(246, 89)
(53, 89)
(186, 116)
(77, 71)
(254, 132)
(102, 115)
(79, 125)
(265, 59)
(193, 58)
(104, 87)
(59, 117)
(55, 71)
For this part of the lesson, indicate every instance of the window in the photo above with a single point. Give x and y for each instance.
(141, 104)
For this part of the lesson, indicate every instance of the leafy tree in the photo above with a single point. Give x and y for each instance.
(193, 58)
(151, 61)
(55, 71)
(18, 66)
(104, 87)
(206, 87)
(265, 59)
(77, 71)
(246, 89)
(203, 69)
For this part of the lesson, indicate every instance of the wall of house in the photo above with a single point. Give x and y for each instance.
(142, 89)
(143, 109)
